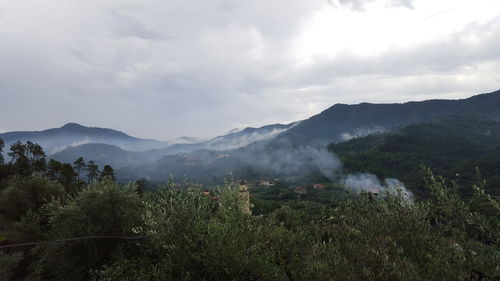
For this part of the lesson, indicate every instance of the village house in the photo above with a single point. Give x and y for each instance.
(265, 183)
(300, 190)
(319, 186)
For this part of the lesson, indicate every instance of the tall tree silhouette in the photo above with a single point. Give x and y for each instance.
(19, 160)
(2, 144)
(108, 172)
(79, 165)
(36, 156)
(92, 171)
(54, 169)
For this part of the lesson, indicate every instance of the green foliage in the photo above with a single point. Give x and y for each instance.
(107, 172)
(24, 194)
(27, 158)
(2, 144)
(103, 208)
(92, 172)
(79, 165)
(8, 263)
(185, 234)
(269, 198)
(359, 239)
(453, 147)
(63, 173)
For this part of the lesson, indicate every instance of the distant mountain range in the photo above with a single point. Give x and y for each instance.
(276, 148)
(107, 146)
(299, 151)
(72, 135)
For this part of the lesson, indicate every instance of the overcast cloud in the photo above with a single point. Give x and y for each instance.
(162, 68)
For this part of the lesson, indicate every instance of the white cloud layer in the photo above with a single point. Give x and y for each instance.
(163, 69)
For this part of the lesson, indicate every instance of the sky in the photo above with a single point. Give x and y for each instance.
(168, 68)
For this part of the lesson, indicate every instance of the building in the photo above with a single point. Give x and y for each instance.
(245, 197)
(300, 190)
(265, 183)
(319, 186)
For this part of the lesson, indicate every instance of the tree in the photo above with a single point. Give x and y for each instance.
(19, 160)
(2, 144)
(79, 165)
(8, 263)
(22, 195)
(67, 175)
(107, 172)
(27, 158)
(102, 209)
(54, 169)
(142, 185)
(92, 171)
(36, 156)
(17, 150)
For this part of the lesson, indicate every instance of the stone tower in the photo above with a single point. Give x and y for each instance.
(245, 197)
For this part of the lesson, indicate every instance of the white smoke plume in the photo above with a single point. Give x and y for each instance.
(371, 183)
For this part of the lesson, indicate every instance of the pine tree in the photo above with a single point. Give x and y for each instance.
(54, 169)
(92, 171)
(2, 144)
(108, 172)
(79, 165)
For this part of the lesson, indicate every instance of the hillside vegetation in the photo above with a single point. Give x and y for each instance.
(103, 230)
(334, 123)
(453, 146)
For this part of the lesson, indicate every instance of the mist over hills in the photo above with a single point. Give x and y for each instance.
(294, 151)
(452, 146)
(300, 151)
(341, 122)
(72, 135)
(113, 154)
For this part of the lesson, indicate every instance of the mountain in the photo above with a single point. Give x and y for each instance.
(72, 134)
(342, 122)
(102, 154)
(234, 139)
(452, 146)
(105, 153)
(299, 152)
(294, 151)
(237, 139)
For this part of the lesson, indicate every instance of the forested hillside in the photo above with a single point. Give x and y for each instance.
(453, 146)
(341, 121)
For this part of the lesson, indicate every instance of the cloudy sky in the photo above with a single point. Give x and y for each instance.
(167, 68)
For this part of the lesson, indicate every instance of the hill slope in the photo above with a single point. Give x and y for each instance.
(342, 122)
(451, 146)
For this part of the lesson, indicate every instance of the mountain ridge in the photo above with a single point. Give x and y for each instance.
(123, 158)
(329, 125)
(73, 134)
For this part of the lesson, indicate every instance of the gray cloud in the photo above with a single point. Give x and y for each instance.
(164, 69)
